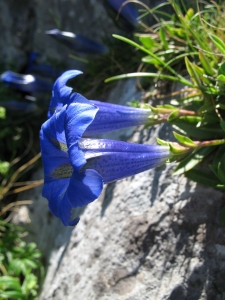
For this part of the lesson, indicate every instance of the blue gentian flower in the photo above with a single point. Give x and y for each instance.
(109, 116)
(76, 168)
(18, 106)
(40, 69)
(125, 11)
(77, 42)
(25, 83)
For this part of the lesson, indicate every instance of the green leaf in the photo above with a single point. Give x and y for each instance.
(163, 38)
(4, 167)
(189, 14)
(2, 112)
(184, 140)
(214, 169)
(218, 43)
(192, 160)
(30, 284)
(162, 142)
(205, 64)
(173, 116)
(188, 126)
(150, 60)
(220, 152)
(221, 172)
(221, 78)
(177, 149)
(207, 107)
(202, 178)
(196, 73)
(167, 106)
(147, 41)
(221, 81)
(17, 295)
(222, 124)
(221, 70)
(9, 282)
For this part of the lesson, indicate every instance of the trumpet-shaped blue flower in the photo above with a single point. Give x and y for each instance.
(77, 42)
(75, 168)
(40, 69)
(109, 116)
(25, 83)
(125, 11)
(17, 106)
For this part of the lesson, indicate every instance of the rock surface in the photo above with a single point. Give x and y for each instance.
(150, 236)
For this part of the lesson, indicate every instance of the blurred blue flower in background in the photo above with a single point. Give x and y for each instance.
(77, 42)
(123, 13)
(17, 106)
(109, 116)
(76, 168)
(25, 83)
(39, 68)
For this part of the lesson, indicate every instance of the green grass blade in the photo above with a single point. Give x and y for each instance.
(151, 75)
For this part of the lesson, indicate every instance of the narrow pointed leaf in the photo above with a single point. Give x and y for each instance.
(218, 43)
(163, 38)
(162, 142)
(184, 140)
(174, 115)
(192, 160)
(202, 178)
(222, 124)
(205, 64)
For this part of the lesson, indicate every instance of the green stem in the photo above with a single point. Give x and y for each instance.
(210, 143)
(153, 75)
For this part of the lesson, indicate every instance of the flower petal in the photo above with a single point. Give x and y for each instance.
(59, 207)
(114, 160)
(61, 92)
(54, 192)
(78, 117)
(68, 193)
(113, 117)
(83, 188)
(52, 156)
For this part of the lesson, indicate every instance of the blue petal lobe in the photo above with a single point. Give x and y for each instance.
(78, 117)
(54, 192)
(59, 206)
(83, 188)
(52, 156)
(61, 92)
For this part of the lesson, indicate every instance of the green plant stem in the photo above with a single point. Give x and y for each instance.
(210, 143)
(153, 75)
